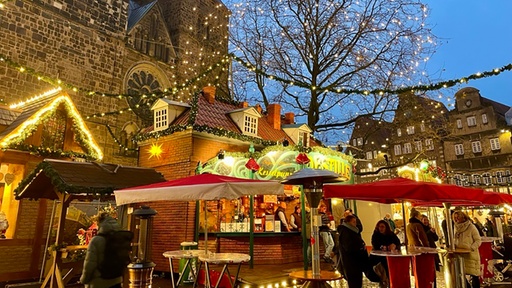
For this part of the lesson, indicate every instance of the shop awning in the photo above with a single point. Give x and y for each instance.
(82, 178)
(199, 187)
(401, 189)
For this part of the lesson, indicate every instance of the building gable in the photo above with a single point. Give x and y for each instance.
(148, 33)
(50, 124)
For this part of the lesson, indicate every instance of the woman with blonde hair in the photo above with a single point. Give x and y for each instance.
(466, 236)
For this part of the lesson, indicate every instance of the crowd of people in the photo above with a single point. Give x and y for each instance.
(356, 261)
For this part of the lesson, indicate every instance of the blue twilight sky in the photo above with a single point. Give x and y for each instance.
(474, 36)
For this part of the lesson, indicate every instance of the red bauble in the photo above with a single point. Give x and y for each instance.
(302, 159)
(252, 165)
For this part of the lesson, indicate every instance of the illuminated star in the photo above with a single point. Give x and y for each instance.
(155, 151)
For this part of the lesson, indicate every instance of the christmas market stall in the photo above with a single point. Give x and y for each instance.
(68, 183)
(43, 126)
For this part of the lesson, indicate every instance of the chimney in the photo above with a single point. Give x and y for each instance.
(244, 104)
(209, 93)
(258, 107)
(289, 118)
(274, 115)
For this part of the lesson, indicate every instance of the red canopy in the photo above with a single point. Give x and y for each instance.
(495, 198)
(401, 189)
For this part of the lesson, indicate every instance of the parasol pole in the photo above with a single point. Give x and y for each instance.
(405, 226)
(449, 226)
(205, 229)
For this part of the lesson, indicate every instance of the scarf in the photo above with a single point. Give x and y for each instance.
(461, 227)
(349, 226)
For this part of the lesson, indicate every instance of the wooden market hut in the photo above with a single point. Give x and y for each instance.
(65, 181)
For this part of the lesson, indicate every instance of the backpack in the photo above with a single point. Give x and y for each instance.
(117, 253)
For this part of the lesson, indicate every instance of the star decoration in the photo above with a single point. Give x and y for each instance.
(155, 151)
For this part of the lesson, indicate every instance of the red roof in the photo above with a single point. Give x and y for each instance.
(267, 132)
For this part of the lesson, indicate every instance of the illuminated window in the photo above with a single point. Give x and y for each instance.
(375, 154)
(359, 141)
(508, 177)
(457, 180)
(12, 175)
(471, 121)
(410, 130)
(459, 123)
(500, 177)
(161, 119)
(250, 125)
(407, 148)
(369, 155)
(422, 127)
(465, 180)
(354, 142)
(459, 149)
(477, 147)
(495, 144)
(399, 132)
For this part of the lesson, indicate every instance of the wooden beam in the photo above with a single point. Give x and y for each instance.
(36, 246)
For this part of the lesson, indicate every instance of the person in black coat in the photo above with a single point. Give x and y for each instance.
(359, 225)
(354, 256)
(431, 236)
(383, 239)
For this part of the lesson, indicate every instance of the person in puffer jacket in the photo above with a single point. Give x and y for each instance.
(467, 237)
(91, 277)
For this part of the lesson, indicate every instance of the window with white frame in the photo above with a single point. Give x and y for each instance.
(161, 119)
(407, 148)
(359, 141)
(487, 178)
(398, 150)
(369, 155)
(477, 180)
(457, 180)
(477, 146)
(484, 118)
(410, 130)
(418, 145)
(422, 127)
(465, 180)
(375, 154)
(429, 143)
(471, 121)
(508, 177)
(250, 125)
(459, 149)
(495, 144)
(499, 177)
(459, 123)
(354, 142)
(399, 132)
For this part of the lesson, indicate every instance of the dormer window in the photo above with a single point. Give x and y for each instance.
(161, 119)
(304, 138)
(246, 119)
(250, 125)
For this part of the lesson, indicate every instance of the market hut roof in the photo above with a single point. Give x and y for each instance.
(82, 178)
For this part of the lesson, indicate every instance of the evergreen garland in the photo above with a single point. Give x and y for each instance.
(48, 151)
(57, 182)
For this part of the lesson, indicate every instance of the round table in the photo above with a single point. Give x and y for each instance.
(182, 254)
(424, 276)
(398, 266)
(316, 281)
(222, 259)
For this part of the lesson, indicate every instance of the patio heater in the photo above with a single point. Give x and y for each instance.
(141, 270)
(312, 181)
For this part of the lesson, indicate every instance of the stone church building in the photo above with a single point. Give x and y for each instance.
(112, 47)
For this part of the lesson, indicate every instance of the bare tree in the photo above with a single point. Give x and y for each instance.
(328, 45)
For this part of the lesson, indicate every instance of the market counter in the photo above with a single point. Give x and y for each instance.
(269, 247)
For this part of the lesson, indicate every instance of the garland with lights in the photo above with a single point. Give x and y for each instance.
(58, 183)
(57, 82)
(119, 142)
(48, 152)
(14, 141)
(432, 87)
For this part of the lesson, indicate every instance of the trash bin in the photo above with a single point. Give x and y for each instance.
(187, 276)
